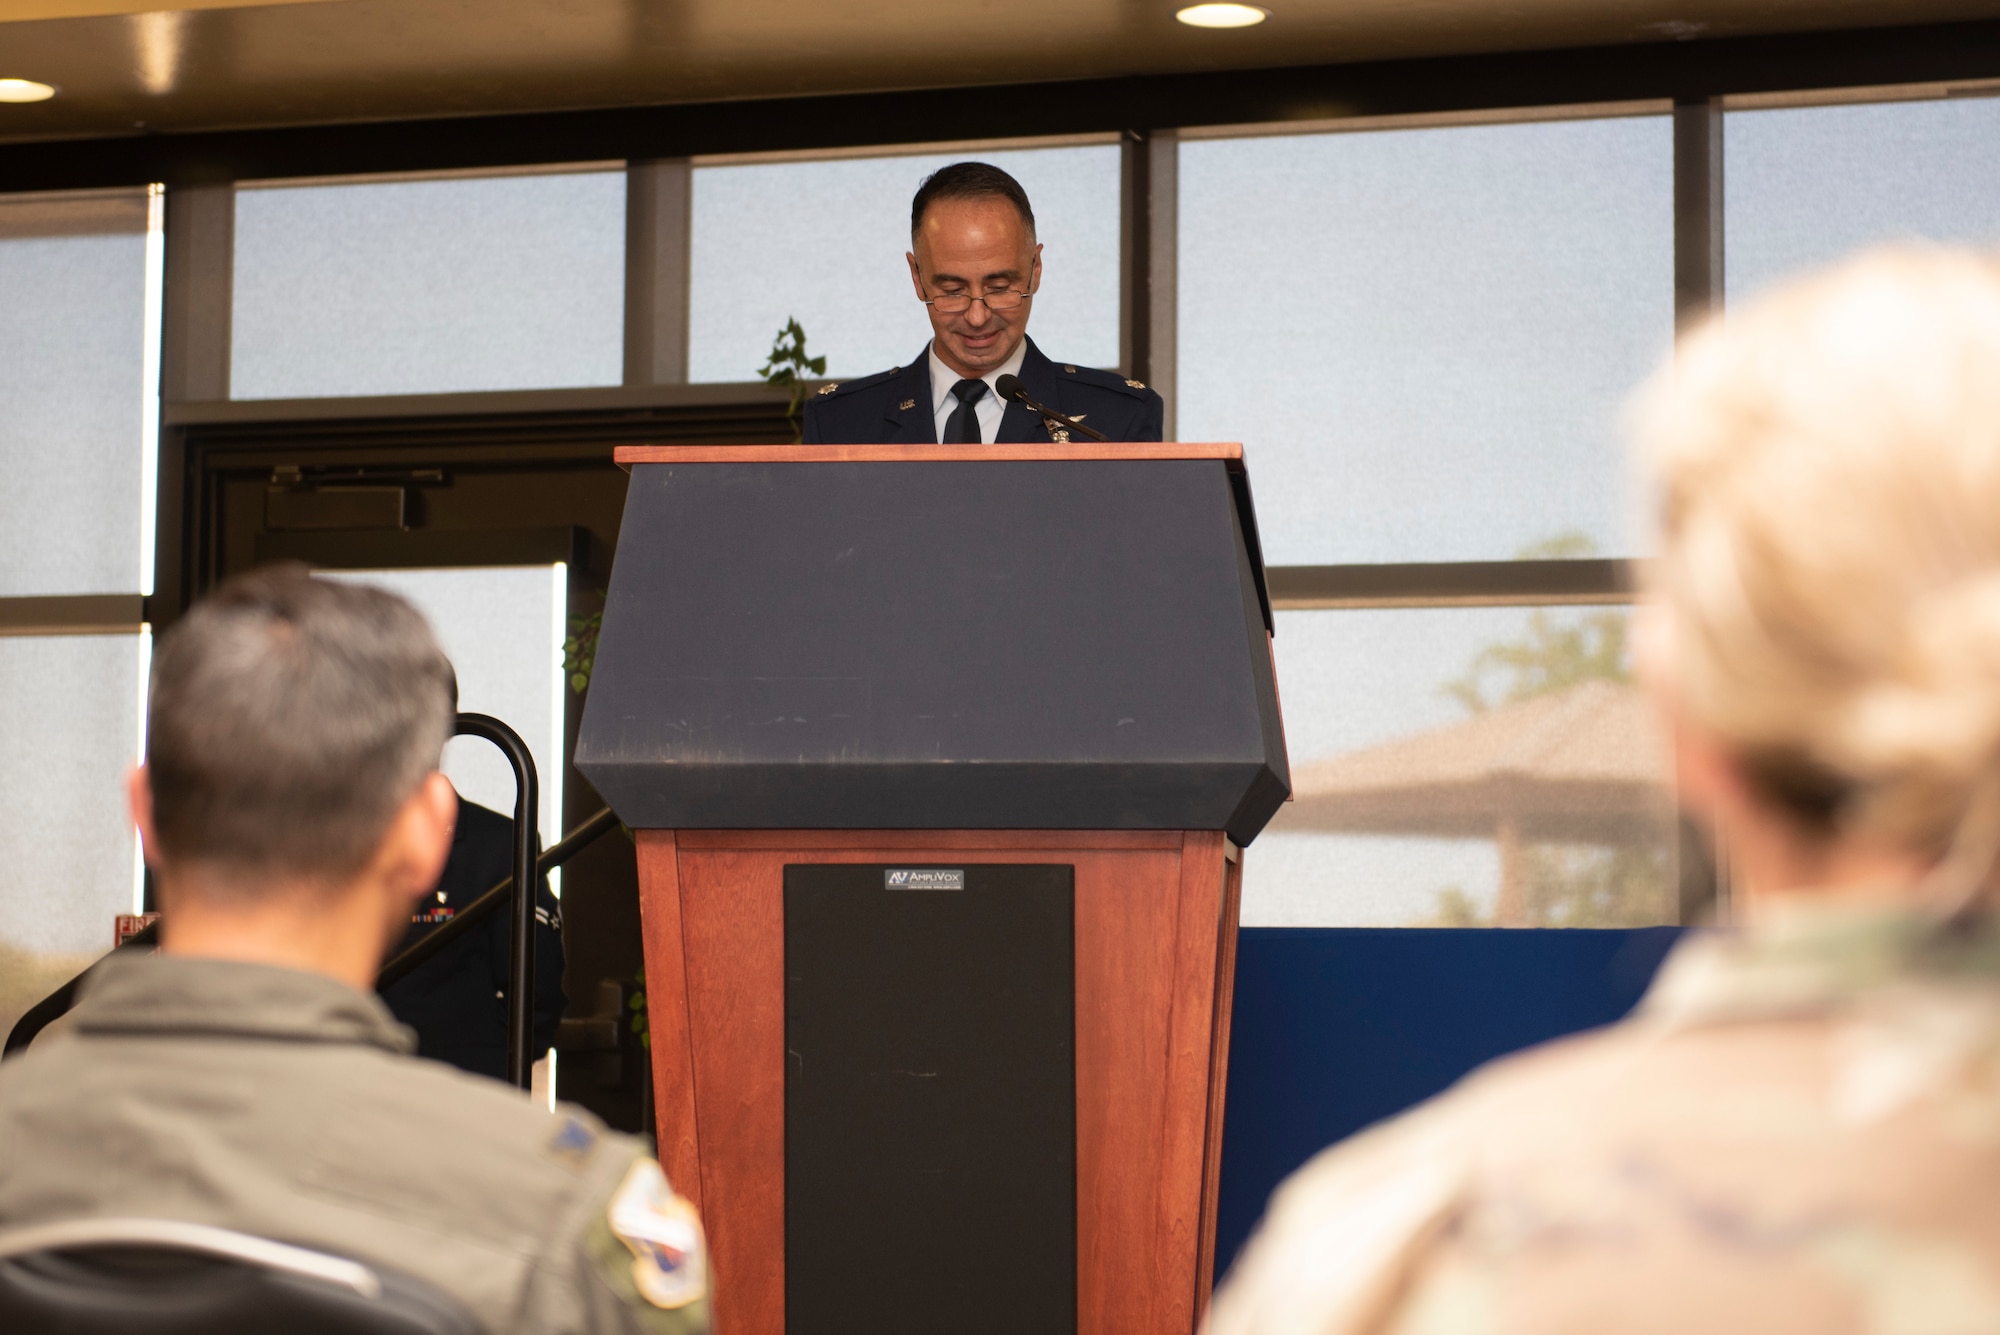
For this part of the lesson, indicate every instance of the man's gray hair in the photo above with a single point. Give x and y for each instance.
(291, 717)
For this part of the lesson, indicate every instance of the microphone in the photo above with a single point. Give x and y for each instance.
(1010, 387)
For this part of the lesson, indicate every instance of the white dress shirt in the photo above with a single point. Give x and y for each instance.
(989, 408)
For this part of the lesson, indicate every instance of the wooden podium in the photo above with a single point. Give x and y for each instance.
(939, 761)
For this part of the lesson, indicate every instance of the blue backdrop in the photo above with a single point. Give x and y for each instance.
(1336, 1028)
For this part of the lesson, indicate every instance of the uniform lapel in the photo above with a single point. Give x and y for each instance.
(907, 418)
(1040, 378)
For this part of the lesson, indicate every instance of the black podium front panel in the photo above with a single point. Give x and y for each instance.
(973, 645)
(930, 1099)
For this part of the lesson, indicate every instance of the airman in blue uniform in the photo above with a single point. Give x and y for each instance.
(893, 407)
(976, 266)
(457, 1000)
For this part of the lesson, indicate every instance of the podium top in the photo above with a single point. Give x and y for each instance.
(904, 454)
(868, 637)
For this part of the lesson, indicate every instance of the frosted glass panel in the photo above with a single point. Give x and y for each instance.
(502, 627)
(1469, 767)
(69, 731)
(74, 391)
(412, 287)
(824, 241)
(1806, 185)
(1423, 337)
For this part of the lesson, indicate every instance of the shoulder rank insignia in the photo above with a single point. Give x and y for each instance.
(1135, 384)
(668, 1264)
(828, 389)
(1070, 369)
(906, 405)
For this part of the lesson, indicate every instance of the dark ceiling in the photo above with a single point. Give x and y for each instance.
(221, 65)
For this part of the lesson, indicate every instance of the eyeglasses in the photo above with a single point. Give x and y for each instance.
(958, 303)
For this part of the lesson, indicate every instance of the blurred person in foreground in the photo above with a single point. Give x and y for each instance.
(1799, 1129)
(247, 1077)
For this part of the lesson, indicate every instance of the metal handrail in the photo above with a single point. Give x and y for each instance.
(420, 951)
(521, 962)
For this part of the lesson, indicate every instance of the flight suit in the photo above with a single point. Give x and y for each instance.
(1798, 1131)
(895, 407)
(284, 1104)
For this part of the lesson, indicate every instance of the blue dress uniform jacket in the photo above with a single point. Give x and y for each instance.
(895, 407)
(456, 1001)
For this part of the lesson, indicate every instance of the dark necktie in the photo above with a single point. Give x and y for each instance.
(963, 426)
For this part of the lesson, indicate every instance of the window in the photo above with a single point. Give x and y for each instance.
(1424, 337)
(70, 727)
(429, 286)
(79, 412)
(824, 241)
(79, 391)
(1805, 185)
(1466, 767)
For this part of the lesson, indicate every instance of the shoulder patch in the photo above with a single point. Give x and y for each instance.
(842, 388)
(1117, 381)
(669, 1261)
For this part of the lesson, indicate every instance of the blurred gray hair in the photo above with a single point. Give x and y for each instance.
(291, 717)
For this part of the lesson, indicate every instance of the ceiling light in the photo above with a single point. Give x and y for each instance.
(1222, 16)
(25, 90)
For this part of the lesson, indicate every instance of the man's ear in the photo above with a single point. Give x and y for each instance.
(916, 274)
(1035, 269)
(139, 802)
(418, 842)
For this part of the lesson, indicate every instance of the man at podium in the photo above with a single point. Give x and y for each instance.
(976, 266)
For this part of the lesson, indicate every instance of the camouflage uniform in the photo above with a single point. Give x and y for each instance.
(284, 1104)
(1799, 1130)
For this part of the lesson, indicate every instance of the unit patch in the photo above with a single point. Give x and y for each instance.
(669, 1264)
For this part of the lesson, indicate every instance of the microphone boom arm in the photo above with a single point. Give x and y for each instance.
(1010, 387)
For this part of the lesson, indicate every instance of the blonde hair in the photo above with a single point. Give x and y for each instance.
(1828, 469)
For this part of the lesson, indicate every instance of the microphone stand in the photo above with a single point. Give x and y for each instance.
(1010, 387)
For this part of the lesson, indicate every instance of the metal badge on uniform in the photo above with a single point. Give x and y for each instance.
(829, 388)
(1059, 431)
(669, 1264)
(1135, 384)
(906, 405)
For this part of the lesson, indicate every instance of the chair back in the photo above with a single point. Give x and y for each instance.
(167, 1277)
